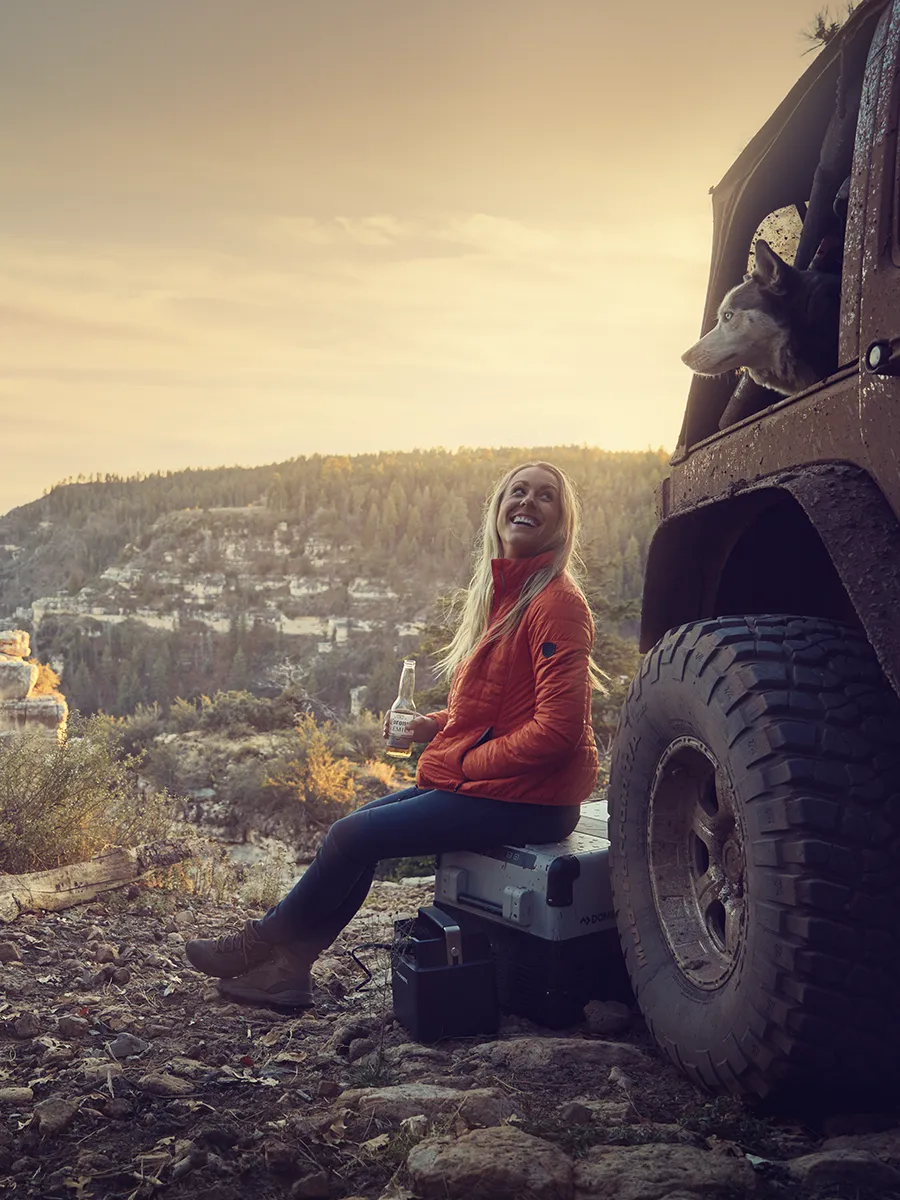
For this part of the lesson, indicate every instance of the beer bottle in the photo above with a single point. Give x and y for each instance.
(403, 710)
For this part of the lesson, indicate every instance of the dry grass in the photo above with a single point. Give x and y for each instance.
(64, 802)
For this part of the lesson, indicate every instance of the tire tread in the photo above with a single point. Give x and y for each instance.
(815, 729)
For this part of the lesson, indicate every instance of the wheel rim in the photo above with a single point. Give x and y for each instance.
(697, 865)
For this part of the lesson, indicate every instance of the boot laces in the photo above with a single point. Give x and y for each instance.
(241, 942)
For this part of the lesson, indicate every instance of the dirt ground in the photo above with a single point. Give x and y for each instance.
(123, 1074)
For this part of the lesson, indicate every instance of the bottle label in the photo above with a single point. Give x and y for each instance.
(397, 734)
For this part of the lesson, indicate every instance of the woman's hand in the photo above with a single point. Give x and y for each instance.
(420, 729)
(423, 729)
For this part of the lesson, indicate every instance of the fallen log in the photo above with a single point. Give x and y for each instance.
(79, 883)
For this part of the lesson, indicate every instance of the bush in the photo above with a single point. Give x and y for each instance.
(238, 713)
(47, 682)
(183, 715)
(313, 775)
(364, 736)
(137, 732)
(61, 803)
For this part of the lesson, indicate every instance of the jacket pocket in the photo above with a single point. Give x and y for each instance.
(485, 737)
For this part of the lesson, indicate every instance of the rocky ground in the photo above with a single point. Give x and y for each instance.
(122, 1074)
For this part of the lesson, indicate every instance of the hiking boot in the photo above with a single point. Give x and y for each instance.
(230, 955)
(283, 981)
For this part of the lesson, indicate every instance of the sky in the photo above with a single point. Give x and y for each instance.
(241, 233)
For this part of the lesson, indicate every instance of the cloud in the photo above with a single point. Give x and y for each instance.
(294, 334)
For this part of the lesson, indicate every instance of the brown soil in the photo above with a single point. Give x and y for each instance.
(221, 1101)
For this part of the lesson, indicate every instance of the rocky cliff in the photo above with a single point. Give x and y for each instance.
(23, 707)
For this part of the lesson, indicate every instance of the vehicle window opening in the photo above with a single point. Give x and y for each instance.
(791, 191)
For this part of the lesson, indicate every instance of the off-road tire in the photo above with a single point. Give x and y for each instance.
(791, 980)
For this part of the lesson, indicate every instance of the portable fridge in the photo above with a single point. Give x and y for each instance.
(547, 911)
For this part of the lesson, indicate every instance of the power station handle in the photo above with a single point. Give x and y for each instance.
(452, 933)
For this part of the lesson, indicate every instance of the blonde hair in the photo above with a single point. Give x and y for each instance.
(476, 605)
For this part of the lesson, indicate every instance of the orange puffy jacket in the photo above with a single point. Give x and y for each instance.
(518, 722)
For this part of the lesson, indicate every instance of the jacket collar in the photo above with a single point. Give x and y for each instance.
(511, 574)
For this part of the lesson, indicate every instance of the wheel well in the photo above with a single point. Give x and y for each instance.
(755, 553)
(779, 565)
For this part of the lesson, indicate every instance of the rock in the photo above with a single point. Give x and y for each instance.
(15, 642)
(119, 1019)
(538, 1054)
(54, 1116)
(461, 1083)
(606, 1018)
(127, 1044)
(574, 1113)
(43, 714)
(73, 1027)
(606, 1112)
(98, 1071)
(184, 919)
(482, 1106)
(161, 1084)
(886, 1144)
(17, 678)
(490, 1164)
(311, 1187)
(28, 1025)
(485, 1107)
(92, 1160)
(105, 953)
(121, 976)
(350, 1028)
(359, 1048)
(280, 1158)
(16, 1095)
(9, 952)
(407, 1062)
(649, 1172)
(117, 1108)
(857, 1169)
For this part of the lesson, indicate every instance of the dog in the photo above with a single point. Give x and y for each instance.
(780, 325)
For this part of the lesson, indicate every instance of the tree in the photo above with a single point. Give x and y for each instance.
(276, 495)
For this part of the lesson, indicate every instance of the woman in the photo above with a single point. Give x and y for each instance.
(510, 759)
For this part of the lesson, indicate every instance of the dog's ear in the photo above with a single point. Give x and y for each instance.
(771, 272)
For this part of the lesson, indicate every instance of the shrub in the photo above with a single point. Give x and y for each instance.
(47, 682)
(382, 775)
(266, 882)
(183, 715)
(313, 775)
(137, 731)
(63, 802)
(364, 735)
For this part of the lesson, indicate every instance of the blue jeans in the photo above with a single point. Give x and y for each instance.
(411, 822)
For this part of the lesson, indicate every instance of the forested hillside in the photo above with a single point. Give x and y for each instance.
(321, 568)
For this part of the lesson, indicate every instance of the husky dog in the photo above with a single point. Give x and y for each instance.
(780, 324)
